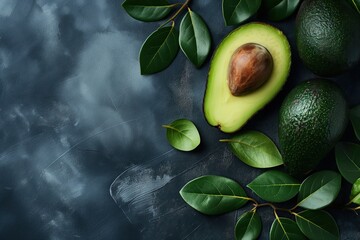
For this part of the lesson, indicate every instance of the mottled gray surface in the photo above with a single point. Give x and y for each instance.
(75, 114)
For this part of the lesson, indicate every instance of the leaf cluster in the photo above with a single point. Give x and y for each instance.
(348, 160)
(213, 195)
(238, 11)
(162, 46)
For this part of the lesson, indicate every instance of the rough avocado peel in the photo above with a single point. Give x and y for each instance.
(312, 119)
(328, 36)
(248, 69)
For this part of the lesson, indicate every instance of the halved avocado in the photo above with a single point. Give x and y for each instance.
(230, 112)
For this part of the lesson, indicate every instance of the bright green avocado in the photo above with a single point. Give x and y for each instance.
(229, 112)
(312, 119)
(328, 36)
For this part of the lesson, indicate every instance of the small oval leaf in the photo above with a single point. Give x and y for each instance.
(348, 160)
(355, 192)
(147, 10)
(213, 195)
(255, 149)
(275, 186)
(277, 10)
(237, 11)
(182, 134)
(248, 226)
(355, 117)
(194, 39)
(159, 50)
(319, 190)
(285, 229)
(317, 225)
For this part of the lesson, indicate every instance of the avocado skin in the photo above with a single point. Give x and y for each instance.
(313, 117)
(327, 36)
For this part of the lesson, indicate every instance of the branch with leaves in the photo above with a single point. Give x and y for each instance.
(193, 37)
(215, 195)
(162, 46)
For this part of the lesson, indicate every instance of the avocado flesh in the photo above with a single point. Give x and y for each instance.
(230, 112)
(327, 36)
(313, 117)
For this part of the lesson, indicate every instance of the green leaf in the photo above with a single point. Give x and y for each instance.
(319, 190)
(277, 10)
(159, 50)
(317, 225)
(213, 195)
(348, 160)
(237, 11)
(285, 229)
(275, 186)
(182, 134)
(355, 4)
(255, 149)
(248, 226)
(355, 192)
(194, 40)
(147, 10)
(355, 118)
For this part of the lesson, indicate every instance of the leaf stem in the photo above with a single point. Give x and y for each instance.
(274, 207)
(172, 18)
(294, 207)
(349, 203)
(353, 1)
(250, 199)
(354, 209)
(253, 209)
(185, 4)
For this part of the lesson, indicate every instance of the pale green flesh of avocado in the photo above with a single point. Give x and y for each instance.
(229, 112)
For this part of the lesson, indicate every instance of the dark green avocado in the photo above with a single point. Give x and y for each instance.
(328, 36)
(313, 117)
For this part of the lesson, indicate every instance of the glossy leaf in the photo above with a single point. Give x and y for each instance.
(348, 160)
(183, 135)
(277, 10)
(355, 118)
(319, 190)
(248, 226)
(355, 4)
(285, 229)
(147, 10)
(275, 186)
(255, 149)
(237, 11)
(317, 225)
(213, 195)
(159, 50)
(194, 39)
(355, 192)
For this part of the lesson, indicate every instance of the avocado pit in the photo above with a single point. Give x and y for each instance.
(250, 67)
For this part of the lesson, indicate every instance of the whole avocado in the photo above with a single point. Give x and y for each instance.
(327, 36)
(312, 119)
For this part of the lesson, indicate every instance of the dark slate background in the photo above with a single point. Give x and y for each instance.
(82, 151)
